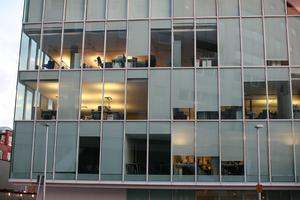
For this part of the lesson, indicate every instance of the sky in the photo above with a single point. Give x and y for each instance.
(10, 32)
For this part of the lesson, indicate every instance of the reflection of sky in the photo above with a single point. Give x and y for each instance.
(10, 31)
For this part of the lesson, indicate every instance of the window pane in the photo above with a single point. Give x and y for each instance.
(228, 7)
(75, 9)
(296, 92)
(232, 151)
(279, 94)
(160, 94)
(94, 45)
(48, 95)
(253, 42)
(138, 36)
(183, 8)
(230, 51)
(297, 148)
(138, 8)
(137, 98)
(95, 9)
(69, 93)
(117, 9)
(89, 151)
(207, 94)
(160, 44)
(39, 150)
(205, 8)
(294, 37)
(281, 147)
(25, 104)
(183, 151)
(112, 153)
(159, 151)
(72, 47)
(22, 150)
(274, 7)
(251, 152)
(114, 89)
(183, 94)
(255, 94)
(276, 45)
(207, 151)
(33, 10)
(30, 47)
(135, 151)
(206, 43)
(65, 158)
(161, 195)
(183, 51)
(160, 8)
(51, 46)
(251, 7)
(54, 10)
(231, 94)
(115, 45)
(91, 97)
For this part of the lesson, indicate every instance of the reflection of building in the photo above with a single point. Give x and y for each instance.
(146, 95)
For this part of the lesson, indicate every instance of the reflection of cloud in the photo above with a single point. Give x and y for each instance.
(9, 52)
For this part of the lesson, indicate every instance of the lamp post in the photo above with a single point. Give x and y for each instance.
(45, 163)
(258, 187)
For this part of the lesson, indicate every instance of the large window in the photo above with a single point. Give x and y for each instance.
(159, 151)
(39, 150)
(74, 9)
(117, 9)
(89, 151)
(276, 41)
(114, 90)
(33, 11)
(229, 37)
(138, 37)
(294, 38)
(228, 7)
(160, 44)
(206, 43)
(138, 8)
(30, 47)
(232, 151)
(207, 151)
(22, 150)
(207, 94)
(183, 151)
(65, 155)
(251, 152)
(54, 10)
(183, 8)
(47, 96)
(297, 148)
(249, 8)
(183, 51)
(112, 151)
(91, 97)
(51, 46)
(72, 46)
(281, 147)
(94, 45)
(205, 8)
(183, 95)
(160, 8)
(69, 95)
(279, 94)
(95, 9)
(253, 45)
(135, 151)
(26, 95)
(160, 94)
(296, 92)
(231, 94)
(137, 95)
(255, 94)
(274, 7)
(115, 45)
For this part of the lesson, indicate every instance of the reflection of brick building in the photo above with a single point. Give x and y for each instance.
(5, 143)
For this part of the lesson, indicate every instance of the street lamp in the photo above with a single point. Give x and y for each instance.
(46, 158)
(258, 187)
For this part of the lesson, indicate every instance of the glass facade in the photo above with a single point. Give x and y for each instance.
(160, 91)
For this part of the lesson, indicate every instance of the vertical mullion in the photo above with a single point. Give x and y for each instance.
(171, 88)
